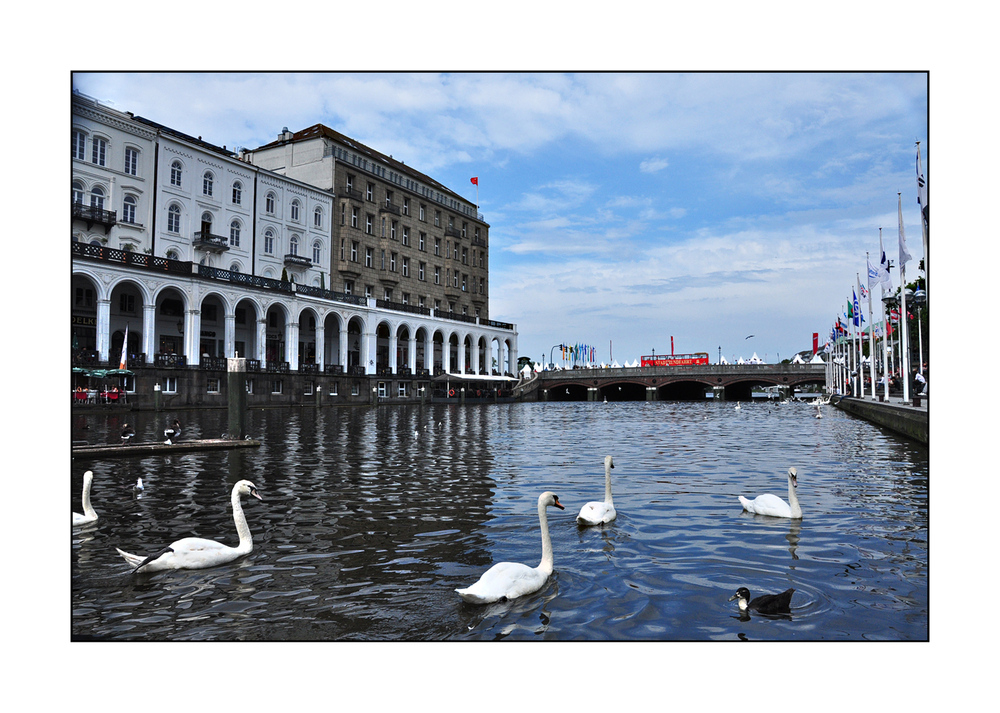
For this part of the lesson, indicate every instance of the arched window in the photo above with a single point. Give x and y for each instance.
(316, 252)
(235, 267)
(128, 209)
(172, 254)
(318, 217)
(97, 198)
(174, 219)
(269, 241)
(78, 192)
(269, 204)
(207, 183)
(234, 233)
(295, 210)
(293, 245)
(175, 174)
(237, 193)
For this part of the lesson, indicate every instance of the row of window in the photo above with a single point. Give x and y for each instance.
(270, 198)
(453, 250)
(98, 154)
(97, 199)
(403, 209)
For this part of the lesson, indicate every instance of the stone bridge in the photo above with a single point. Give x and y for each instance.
(668, 383)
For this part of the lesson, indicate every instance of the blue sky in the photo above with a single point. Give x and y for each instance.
(624, 208)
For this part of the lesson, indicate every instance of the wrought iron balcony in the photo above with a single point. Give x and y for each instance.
(353, 194)
(292, 260)
(211, 243)
(390, 208)
(453, 232)
(93, 214)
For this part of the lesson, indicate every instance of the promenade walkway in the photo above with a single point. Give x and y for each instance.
(903, 418)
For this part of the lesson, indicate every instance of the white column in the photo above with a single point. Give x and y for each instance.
(343, 345)
(229, 351)
(192, 336)
(320, 345)
(369, 344)
(393, 343)
(149, 331)
(103, 329)
(292, 344)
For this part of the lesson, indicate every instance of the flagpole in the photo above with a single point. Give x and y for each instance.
(924, 218)
(854, 347)
(871, 329)
(904, 348)
(861, 336)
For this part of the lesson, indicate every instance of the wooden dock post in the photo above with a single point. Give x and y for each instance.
(237, 377)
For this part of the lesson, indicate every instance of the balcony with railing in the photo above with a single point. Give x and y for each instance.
(293, 260)
(390, 208)
(352, 193)
(95, 216)
(204, 240)
(452, 231)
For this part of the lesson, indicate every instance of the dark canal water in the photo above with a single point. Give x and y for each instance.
(371, 517)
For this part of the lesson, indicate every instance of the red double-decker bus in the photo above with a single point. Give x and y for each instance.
(675, 359)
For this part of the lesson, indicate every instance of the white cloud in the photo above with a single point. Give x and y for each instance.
(653, 165)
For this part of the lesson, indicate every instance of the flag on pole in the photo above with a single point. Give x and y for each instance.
(921, 188)
(883, 267)
(857, 311)
(864, 292)
(475, 180)
(873, 275)
(124, 359)
(904, 254)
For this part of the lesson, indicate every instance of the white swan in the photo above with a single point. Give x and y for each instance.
(508, 580)
(197, 552)
(89, 514)
(737, 406)
(598, 513)
(774, 506)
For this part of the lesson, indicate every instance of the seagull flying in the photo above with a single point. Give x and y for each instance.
(748, 337)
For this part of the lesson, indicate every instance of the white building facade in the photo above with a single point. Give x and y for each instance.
(220, 258)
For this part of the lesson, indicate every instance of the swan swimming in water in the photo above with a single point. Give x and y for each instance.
(508, 580)
(127, 433)
(89, 514)
(599, 513)
(774, 506)
(197, 552)
(765, 603)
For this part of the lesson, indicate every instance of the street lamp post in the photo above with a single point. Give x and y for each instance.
(889, 301)
(920, 299)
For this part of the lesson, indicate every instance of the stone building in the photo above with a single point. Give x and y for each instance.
(398, 235)
(198, 254)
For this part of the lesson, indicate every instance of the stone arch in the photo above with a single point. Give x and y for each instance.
(308, 347)
(170, 321)
(276, 320)
(247, 314)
